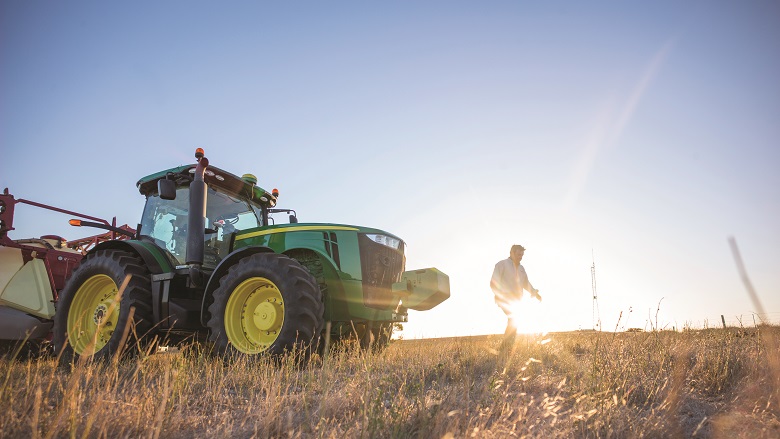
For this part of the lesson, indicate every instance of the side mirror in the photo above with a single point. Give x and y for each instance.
(167, 189)
(293, 219)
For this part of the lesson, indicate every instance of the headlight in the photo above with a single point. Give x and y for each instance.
(385, 240)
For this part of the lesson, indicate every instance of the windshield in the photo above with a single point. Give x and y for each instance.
(165, 222)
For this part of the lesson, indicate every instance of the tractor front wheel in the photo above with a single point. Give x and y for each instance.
(92, 317)
(266, 303)
(374, 336)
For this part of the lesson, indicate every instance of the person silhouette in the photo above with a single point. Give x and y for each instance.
(508, 282)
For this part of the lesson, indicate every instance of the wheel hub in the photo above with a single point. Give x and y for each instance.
(100, 314)
(265, 316)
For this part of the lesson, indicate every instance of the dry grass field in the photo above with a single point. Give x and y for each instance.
(706, 383)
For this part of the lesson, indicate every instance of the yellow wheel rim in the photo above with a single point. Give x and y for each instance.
(93, 315)
(254, 315)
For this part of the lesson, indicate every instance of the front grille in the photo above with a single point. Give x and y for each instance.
(381, 266)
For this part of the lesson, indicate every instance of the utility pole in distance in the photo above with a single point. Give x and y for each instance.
(595, 306)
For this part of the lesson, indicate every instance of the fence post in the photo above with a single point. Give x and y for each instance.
(723, 319)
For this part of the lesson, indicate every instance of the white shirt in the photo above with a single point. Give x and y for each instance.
(508, 281)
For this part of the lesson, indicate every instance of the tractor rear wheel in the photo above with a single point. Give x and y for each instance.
(91, 317)
(266, 303)
(382, 334)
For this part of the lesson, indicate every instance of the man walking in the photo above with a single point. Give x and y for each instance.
(508, 282)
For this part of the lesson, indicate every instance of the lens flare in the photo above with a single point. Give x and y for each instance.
(529, 316)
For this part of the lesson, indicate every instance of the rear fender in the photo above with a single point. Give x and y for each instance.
(156, 259)
(222, 269)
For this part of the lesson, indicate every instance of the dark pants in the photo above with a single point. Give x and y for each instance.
(511, 325)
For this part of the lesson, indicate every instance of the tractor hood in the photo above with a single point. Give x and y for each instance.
(317, 227)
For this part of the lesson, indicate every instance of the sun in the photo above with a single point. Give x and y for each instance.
(530, 316)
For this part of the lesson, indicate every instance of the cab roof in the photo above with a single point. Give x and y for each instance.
(214, 176)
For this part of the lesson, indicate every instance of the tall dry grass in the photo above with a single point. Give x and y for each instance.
(708, 383)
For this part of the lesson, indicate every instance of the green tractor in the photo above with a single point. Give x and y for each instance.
(207, 260)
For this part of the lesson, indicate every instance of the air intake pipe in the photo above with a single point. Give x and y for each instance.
(196, 222)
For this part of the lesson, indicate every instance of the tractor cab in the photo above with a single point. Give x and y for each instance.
(228, 204)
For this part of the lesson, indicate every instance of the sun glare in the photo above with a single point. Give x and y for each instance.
(530, 316)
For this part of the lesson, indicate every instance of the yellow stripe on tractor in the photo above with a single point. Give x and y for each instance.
(292, 229)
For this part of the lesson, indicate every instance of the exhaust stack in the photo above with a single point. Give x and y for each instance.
(196, 222)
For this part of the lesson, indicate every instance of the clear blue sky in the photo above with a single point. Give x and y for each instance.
(644, 134)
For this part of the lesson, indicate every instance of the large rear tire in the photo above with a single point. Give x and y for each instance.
(91, 319)
(266, 303)
(383, 332)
